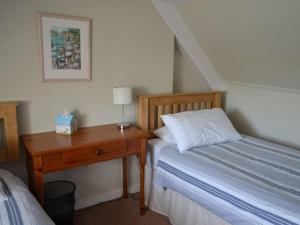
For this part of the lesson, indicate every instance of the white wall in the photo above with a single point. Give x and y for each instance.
(264, 112)
(255, 41)
(187, 78)
(131, 45)
(248, 43)
(261, 111)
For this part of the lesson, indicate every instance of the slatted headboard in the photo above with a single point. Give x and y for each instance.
(151, 107)
(9, 137)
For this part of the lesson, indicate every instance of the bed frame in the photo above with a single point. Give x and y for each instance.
(9, 131)
(151, 107)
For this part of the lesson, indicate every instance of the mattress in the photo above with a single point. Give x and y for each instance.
(246, 182)
(17, 205)
(178, 208)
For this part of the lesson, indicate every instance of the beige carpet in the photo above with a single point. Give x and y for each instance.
(118, 212)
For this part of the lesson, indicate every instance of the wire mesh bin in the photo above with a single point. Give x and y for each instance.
(60, 201)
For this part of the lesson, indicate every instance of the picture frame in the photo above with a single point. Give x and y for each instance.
(65, 43)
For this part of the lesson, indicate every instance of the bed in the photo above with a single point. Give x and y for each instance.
(249, 181)
(17, 204)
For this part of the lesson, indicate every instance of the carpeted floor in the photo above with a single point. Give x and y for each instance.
(118, 212)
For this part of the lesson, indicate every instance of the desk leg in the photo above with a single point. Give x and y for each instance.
(142, 175)
(125, 177)
(38, 180)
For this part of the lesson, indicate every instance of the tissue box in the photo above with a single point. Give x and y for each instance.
(66, 124)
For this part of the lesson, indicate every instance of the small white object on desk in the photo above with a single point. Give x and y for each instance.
(122, 95)
(66, 123)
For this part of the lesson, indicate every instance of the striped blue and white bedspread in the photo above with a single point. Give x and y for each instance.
(17, 205)
(246, 182)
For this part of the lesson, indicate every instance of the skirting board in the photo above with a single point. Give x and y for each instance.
(103, 197)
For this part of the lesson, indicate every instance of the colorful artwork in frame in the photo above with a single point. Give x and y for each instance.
(66, 47)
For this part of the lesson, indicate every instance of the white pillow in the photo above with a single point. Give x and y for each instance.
(164, 134)
(199, 128)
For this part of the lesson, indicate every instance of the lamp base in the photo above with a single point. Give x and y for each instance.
(123, 125)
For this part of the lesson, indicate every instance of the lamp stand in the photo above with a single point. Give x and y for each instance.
(123, 124)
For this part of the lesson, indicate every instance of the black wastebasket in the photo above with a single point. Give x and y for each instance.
(59, 201)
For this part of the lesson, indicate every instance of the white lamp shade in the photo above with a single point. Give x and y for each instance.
(122, 95)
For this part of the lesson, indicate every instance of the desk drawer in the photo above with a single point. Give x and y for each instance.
(97, 152)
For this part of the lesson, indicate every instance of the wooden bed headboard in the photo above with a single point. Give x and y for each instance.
(9, 137)
(151, 107)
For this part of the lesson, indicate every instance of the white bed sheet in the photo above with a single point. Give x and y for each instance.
(154, 147)
(179, 209)
(17, 205)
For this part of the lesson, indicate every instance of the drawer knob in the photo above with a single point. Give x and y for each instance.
(98, 151)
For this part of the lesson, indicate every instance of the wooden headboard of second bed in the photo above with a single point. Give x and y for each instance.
(151, 107)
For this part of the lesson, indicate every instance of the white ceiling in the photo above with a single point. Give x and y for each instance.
(256, 41)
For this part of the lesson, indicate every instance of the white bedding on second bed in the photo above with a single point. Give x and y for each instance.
(154, 147)
(226, 159)
(179, 209)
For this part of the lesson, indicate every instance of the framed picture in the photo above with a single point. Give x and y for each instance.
(65, 47)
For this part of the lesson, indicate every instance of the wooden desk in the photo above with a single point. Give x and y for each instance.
(48, 152)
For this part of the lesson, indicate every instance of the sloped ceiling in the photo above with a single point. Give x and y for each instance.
(256, 41)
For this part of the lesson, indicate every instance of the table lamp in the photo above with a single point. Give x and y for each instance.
(122, 95)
